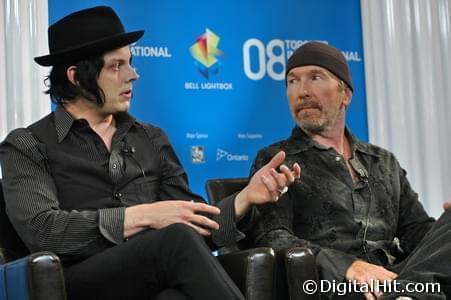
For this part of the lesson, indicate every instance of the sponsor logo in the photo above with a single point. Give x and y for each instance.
(205, 52)
(207, 56)
(208, 86)
(150, 51)
(197, 154)
(269, 59)
(224, 154)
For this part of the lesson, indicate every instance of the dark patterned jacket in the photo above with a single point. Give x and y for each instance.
(378, 219)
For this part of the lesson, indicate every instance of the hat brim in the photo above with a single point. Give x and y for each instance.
(89, 49)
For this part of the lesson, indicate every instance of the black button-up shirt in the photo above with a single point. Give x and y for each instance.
(378, 218)
(66, 193)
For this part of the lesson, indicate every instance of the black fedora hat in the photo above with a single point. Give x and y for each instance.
(86, 33)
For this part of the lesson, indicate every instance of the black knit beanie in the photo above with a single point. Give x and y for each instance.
(323, 55)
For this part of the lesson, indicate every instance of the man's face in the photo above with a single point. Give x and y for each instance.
(116, 80)
(317, 98)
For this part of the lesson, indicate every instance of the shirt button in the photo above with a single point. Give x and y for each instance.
(118, 195)
(337, 158)
(114, 166)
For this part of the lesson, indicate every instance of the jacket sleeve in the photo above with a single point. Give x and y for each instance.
(175, 186)
(274, 228)
(31, 201)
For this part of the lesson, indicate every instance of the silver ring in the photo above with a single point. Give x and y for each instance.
(283, 191)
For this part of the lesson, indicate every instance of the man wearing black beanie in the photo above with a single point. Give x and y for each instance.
(353, 206)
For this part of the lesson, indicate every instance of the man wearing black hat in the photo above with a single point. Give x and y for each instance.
(353, 206)
(88, 181)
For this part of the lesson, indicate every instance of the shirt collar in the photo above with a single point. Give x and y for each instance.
(64, 122)
(301, 139)
(359, 146)
(304, 142)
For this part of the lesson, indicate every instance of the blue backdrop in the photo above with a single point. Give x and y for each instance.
(211, 73)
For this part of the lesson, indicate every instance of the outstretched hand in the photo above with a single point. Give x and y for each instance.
(267, 184)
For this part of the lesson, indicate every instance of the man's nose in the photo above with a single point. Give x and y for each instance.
(303, 91)
(131, 74)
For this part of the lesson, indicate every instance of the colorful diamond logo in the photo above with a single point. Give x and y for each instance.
(205, 52)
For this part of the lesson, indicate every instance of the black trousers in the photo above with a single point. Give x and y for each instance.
(430, 262)
(170, 263)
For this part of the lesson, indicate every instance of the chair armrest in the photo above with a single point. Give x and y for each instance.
(252, 271)
(300, 266)
(38, 276)
(5, 256)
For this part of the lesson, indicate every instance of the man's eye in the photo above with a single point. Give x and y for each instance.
(292, 81)
(316, 77)
(116, 66)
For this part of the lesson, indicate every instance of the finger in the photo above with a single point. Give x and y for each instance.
(387, 275)
(369, 296)
(203, 221)
(269, 183)
(297, 170)
(382, 277)
(277, 160)
(200, 230)
(205, 208)
(271, 187)
(288, 174)
(373, 272)
(446, 205)
(378, 294)
(280, 179)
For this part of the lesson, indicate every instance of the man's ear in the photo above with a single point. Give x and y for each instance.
(347, 96)
(70, 73)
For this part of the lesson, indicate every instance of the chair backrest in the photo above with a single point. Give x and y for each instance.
(9, 239)
(218, 189)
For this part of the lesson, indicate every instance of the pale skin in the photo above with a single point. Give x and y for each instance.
(116, 81)
(318, 101)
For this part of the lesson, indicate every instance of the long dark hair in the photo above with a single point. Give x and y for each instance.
(61, 89)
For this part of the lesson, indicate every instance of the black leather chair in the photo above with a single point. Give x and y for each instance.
(293, 267)
(251, 269)
(37, 276)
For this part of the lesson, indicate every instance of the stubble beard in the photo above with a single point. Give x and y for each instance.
(319, 124)
(313, 126)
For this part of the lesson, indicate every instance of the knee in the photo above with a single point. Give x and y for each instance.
(180, 236)
(179, 230)
(169, 235)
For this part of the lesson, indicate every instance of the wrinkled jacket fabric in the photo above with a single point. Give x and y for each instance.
(378, 218)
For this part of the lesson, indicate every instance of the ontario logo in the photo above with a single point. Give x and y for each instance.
(205, 51)
(221, 153)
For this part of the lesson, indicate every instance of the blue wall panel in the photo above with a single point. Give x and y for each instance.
(219, 109)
